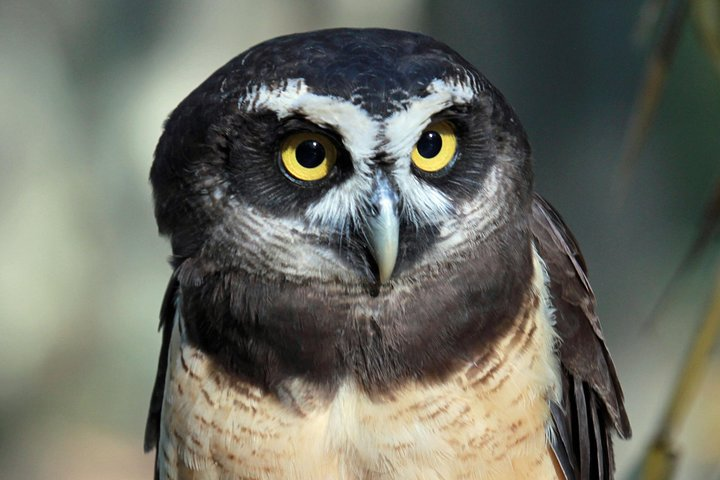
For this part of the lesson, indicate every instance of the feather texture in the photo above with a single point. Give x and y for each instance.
(592, 402)
(274, 317)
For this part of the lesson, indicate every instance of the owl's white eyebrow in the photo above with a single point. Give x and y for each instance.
(423, 202)
(357, 128)
(359, 133)
(403, 128)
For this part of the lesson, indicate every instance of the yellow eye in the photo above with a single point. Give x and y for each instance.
(436, 147)
(308, 156)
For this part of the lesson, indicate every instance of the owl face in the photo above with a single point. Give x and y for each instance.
(354, 156)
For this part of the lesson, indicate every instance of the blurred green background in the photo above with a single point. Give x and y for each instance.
(84, 89)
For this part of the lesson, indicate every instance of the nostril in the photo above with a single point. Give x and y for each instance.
(373, 209)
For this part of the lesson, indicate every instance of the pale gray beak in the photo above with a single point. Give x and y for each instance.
(383, 227)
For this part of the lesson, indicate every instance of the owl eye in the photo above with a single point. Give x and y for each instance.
(436, 147)
(308, 156)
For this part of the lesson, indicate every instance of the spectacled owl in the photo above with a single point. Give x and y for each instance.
(365, 285)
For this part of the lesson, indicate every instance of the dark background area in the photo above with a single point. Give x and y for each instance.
(86, 85)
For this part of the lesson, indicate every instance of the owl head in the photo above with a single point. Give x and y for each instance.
(361, 157)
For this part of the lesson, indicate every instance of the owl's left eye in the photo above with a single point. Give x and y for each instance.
(436, 147)
(308, 156)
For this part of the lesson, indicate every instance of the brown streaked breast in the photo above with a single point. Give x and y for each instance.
(488, 420)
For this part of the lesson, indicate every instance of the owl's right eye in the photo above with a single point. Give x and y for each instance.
(308, 156)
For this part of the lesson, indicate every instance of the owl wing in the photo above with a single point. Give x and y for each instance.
(167, 318)
(592, 400)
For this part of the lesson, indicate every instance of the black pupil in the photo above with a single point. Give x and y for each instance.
(429, 144)
(310, 153)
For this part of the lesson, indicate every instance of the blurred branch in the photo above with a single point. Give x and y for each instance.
(660, 459)
(649, 18)
(649, 96)
(706, 16)
(710, 225)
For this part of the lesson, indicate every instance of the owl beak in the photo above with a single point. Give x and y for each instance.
(383, 227)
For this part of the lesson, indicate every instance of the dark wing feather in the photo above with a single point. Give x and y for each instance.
(167, 316)
(592, 402)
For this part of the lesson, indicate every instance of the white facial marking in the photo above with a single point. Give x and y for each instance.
(359, 132)
(403, 128)
(357, 128)
(422, 202)
(365, 137)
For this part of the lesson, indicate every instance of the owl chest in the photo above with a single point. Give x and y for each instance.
(487, 421)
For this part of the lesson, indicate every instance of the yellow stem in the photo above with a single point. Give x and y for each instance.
(660, 458)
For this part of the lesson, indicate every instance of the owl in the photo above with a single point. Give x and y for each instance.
(365, 285)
